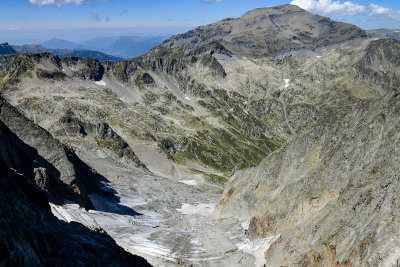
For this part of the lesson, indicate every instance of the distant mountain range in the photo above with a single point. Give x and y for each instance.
(6, 49)
(384, 33)
(119, 46)
(102, 48)
(64, 52)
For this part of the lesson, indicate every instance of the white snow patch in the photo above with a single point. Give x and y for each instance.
(286, 82)
(257, 248)
(63, 69)
(245, 225)
(201, 209)
(101, 82)
(189, 182)
(187, 98)
(318, 57)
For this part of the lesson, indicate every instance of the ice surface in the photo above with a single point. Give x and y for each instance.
(101, 82)
(132, 232)
(201, 209)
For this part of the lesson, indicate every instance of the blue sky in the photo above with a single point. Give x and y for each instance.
(78, 20)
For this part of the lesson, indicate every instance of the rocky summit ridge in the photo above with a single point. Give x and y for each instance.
(292, 115)
(265, 31)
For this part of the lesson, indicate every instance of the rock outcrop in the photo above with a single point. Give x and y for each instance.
(103, 135)
(32, 151)
(31, 236)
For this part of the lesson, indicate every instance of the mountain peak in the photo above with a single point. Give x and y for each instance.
(272, 10)
(266, 31)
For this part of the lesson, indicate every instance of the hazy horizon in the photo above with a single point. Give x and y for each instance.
(35, 21)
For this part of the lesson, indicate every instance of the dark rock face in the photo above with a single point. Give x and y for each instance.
(5, 49)
(147, 79)
(104, 135)
(31, 236)
(33, 151)
(89, 68)
(210, 61)
(50, 75)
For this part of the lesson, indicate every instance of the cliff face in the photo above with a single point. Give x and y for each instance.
(32, 236)
(33, 151)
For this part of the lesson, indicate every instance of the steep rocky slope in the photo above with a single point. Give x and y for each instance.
(31, 236)
(331, 192)
(56, 168)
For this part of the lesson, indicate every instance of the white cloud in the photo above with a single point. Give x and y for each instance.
(95, 16)
(211, 1)
(377, 9)
(98, 18)
(383, 11)
(61, 2)
(330, 7)
(42, 2)
(14, 28)
(336, 8)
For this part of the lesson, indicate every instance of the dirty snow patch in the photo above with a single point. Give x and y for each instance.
(129, 231)
(257, 248)
(189, 182)
(286, 82)
(201, 209)
(101, 82)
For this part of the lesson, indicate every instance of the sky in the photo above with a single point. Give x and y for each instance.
(33, 21)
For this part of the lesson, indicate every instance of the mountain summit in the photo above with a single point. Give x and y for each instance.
(266, 31)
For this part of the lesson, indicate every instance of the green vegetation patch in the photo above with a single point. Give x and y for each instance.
(239, 144)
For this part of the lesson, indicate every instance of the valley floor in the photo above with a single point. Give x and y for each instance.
(167, 222)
